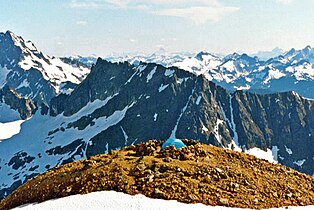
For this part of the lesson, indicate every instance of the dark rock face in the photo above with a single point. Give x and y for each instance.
(8, 50)
(121, 104)
(20, 159)
(284, 120)
(25, 107)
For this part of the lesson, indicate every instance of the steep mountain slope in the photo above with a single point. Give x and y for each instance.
(198, 173)
(32, 73)
(119, 104)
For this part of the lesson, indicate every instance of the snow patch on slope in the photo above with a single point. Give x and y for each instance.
(289, 151)
(162, 87)
(155, 117)
(259, 153)
(235, 140)
(151, 74)
(198, 100)
(3, 75)
(274, 74)
(233, 127)
(54, 70)
(110, 200)
(52, 132)
(9, 129)
(216, 130)
(299, 162)
(125, 136)
(173, 133)
(169, 73)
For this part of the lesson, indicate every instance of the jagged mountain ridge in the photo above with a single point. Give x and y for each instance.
(292, 71)
(34, 74)
(120, 104)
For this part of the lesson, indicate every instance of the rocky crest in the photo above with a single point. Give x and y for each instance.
(198, 173)
(281, 72)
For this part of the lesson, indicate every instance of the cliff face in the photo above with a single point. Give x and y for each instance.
(24, 106)
(121, 104)
(282, 120)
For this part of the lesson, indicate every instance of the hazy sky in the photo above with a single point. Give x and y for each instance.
(86, 27)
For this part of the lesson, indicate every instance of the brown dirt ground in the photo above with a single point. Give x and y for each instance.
(198, 173)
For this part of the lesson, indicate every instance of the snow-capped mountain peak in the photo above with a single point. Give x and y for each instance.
(266, 55)
(29, 70)
(25, 46)
(201, 63)
(17, 40)
(204, 55)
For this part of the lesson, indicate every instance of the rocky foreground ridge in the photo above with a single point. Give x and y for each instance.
(198, 173)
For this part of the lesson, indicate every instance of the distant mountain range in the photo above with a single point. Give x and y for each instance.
(118, 104)
(290, 71)
(266, 55)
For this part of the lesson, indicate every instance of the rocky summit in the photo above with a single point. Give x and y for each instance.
(198, 173)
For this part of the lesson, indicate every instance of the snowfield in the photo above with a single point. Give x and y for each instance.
(110, 200)
(10, 129)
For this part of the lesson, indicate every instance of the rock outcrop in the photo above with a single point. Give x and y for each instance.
(24, 106)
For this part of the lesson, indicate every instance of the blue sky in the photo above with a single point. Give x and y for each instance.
(101, 27)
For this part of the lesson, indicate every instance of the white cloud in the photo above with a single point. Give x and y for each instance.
(160, 47)
(82, 22)
(198, 15)
(284, 1)
(98, 4)
(132, 40)
(84, 4)
(118, 3)
(199, 11)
